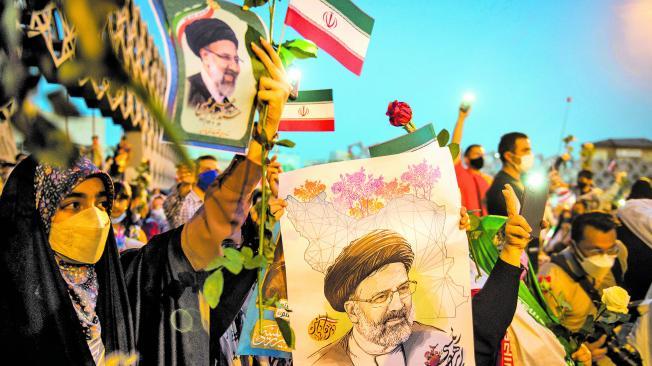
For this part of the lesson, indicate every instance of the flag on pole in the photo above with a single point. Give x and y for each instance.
(313, 111)
(338, 27)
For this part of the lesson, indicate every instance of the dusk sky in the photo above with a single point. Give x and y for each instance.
(521, 59)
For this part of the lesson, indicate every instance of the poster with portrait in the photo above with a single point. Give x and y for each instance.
(377, 268)
(216, 73)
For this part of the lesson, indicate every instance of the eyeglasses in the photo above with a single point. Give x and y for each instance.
(597, 251)
(404, 290)
(614, 250)
(226, 58)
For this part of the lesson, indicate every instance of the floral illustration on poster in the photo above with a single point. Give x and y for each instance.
(377, 269)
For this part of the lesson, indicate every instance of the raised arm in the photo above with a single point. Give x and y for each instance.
(490, 320)
(228, 199)
(459, 128)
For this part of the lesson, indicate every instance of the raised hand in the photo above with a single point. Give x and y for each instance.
(273, 89)
(517, 230)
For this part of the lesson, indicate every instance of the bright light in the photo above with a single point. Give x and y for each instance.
(294, 75)
(469, 98)
(621, 202)
(535, 179)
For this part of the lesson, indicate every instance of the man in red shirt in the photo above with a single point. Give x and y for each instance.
(472, 182)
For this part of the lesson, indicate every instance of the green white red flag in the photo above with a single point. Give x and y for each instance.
(312, 111)
(338, 27)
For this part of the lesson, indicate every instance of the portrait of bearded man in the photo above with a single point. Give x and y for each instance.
(216, 45)
(369, 281)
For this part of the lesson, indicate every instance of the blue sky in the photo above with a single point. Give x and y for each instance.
(520, 58)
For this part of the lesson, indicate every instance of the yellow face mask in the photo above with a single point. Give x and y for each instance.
(82, 237)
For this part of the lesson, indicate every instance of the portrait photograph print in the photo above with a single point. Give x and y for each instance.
(217, 75)
(377, 268)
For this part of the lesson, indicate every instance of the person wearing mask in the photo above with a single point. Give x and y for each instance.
(473, 183)
(157, 215)
(593, 197)
(636, 233)
(517, 158)
(67, 300)
(596, 260)
(188, 195)
(128, 233)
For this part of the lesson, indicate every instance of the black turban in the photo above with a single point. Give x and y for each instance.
(360, 259)
(203, 32)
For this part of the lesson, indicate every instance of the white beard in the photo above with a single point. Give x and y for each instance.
(381, 333)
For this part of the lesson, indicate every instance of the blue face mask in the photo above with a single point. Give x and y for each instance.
(205, 179)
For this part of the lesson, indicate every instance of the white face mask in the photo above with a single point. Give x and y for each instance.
(527, 162)
(82, 237)
(597, 266)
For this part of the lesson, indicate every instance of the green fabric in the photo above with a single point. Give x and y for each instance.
(486, 256)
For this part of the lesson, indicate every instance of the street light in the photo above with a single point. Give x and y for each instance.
(294, 77)
(467, 101)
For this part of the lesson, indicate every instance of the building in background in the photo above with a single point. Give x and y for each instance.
(633, 156)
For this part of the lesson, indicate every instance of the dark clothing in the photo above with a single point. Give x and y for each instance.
(495, 199)
(493, 310)
(198, 93)
(38, 324)
(163, 286)
(639, 257)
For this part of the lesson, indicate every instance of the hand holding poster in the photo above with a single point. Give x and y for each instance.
(377, 268)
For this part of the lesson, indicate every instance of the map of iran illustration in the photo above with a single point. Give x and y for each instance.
(330, 218)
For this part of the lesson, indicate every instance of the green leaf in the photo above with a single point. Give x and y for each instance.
(215, 264)
(442, 137)
(233, 267)
(247, 253)
(301, 48)
(213, 288)
(455, 150)
(286, 331)
(233, 255)
(286, 143)
(287, 57)
(254, 3)
(233, 260)
(258, 261)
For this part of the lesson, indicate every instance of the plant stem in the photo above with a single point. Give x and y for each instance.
(474, 255)
(272, 8)
(262, 217)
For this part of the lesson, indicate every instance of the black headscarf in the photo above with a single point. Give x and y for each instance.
(38, 324)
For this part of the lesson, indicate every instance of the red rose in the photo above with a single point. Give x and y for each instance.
(400, 113)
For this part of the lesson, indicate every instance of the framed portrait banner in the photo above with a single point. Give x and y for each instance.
(378, 271)
(216, 72)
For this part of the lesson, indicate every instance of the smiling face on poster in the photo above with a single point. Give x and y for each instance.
(217, 75)
(377, 268)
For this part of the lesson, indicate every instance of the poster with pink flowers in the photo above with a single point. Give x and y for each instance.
(377, 267)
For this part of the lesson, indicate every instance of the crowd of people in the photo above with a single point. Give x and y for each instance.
(591, 240)
(94, 262)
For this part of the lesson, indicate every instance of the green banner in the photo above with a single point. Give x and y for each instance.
(408, 142)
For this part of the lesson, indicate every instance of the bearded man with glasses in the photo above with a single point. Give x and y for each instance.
(216, 45)
(369, 281)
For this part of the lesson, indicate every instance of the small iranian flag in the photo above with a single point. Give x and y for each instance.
(336, 26)
(312, 111)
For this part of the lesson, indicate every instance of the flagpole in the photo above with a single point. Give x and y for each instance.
(563, 125)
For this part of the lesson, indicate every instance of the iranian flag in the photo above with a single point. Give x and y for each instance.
(336, 26)
(312, 111)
